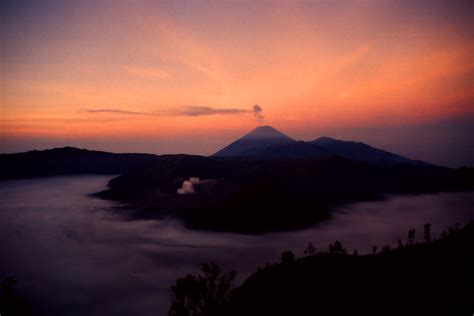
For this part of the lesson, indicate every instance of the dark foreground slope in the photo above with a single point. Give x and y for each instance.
(67, 161)
(250, 195)
(434, 278)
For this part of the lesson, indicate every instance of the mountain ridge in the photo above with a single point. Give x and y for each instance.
(360, 151)
(267, 142)
(68, 161)
(263, 142)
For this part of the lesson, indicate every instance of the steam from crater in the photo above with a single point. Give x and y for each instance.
(257, 112)
(188, 186)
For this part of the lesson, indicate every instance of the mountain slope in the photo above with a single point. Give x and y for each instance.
(267, 142)
(433, 278)
(359, 151)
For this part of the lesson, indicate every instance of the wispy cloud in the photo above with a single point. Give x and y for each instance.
(205, 110)
(183, 111)
(116, 111)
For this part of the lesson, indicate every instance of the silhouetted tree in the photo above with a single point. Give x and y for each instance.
(386, 248)
(374, 249)
(411, 236)
(287, 257)
(400, 244)
(454, 228)
(310, 250)
(337, 248)
(202, 295)
(427, 232)
(438, 290)
(355, 253)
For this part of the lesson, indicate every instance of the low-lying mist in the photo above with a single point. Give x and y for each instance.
(74, 255)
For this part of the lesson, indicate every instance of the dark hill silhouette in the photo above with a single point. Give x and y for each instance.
(68, 160)
(267, 142)
(263, 142)
(431, 278)
(250, 195)
(359, 151)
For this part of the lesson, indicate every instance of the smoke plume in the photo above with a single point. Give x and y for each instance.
(257, 112)
(188, 186)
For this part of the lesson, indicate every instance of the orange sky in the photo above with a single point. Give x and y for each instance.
(138, 69)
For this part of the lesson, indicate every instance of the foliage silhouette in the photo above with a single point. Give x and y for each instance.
(337, 248)
(411, 236)
(430, 278)
(310, 250)
(287, 257)
(202, 295)
(400, 244)
(427, 232)
(386, 248)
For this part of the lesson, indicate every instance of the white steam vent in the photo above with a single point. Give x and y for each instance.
(188, 186)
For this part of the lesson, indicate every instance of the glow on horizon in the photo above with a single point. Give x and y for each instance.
(325, 64)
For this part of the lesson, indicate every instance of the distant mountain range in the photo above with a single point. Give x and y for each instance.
(68, 160)
(268, 142)
(263, 142)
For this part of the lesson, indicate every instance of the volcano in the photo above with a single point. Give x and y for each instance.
(268, 142)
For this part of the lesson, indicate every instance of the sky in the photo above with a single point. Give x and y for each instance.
(184, 76)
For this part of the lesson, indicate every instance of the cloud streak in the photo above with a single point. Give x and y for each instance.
(205, 110)
(183, 111)
(116, 111)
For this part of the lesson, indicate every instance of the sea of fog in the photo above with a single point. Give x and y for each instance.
(76, 255)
